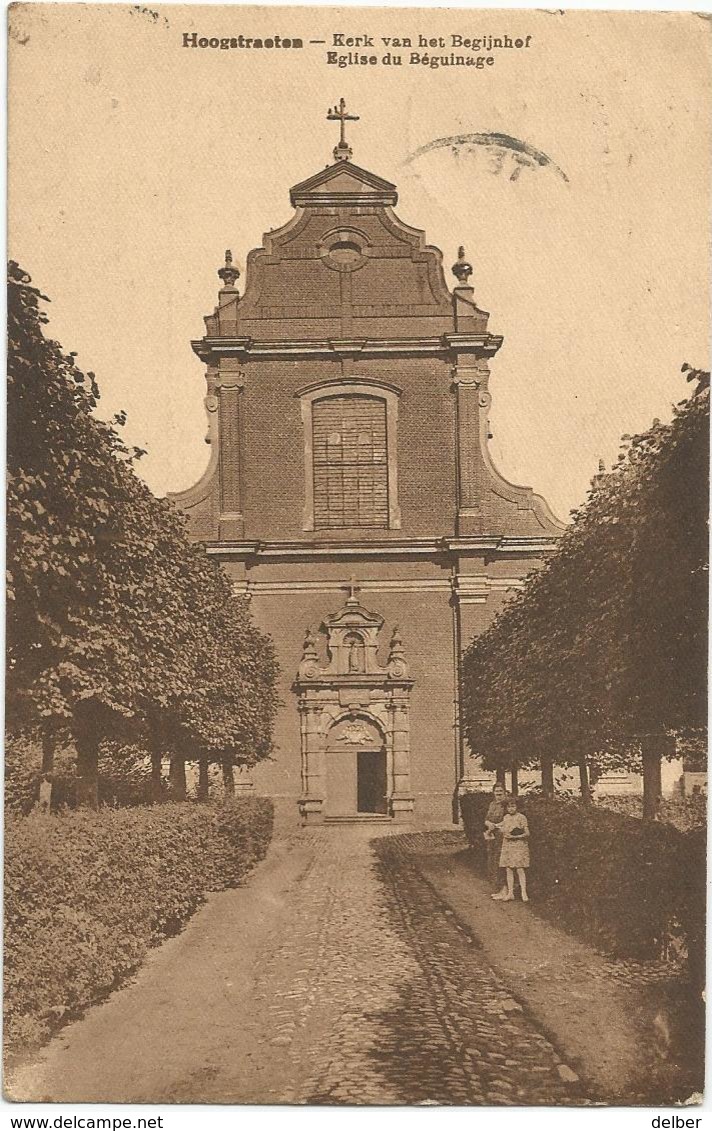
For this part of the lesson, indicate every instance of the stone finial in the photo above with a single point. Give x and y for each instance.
(309, 651)
(397, 642)
(397, 666)
(462, 269)
(309, 663)
(229, 273)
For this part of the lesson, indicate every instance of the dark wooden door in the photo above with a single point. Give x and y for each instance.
(371, 781)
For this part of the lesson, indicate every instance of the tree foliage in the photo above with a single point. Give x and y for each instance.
(117, 624)
(607, 643)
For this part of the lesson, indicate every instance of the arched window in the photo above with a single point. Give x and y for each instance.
(350, 455)
(350, 461)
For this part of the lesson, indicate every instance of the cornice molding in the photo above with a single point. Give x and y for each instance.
(464, 586)
(462, 343)
(338, 683)
(447, 346)
(380, 585)
(417, 547)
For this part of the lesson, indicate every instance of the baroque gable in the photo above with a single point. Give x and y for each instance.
(345, 264)
(347, 333)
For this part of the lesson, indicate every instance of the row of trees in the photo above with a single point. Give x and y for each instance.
(601, 660)
(117, 627)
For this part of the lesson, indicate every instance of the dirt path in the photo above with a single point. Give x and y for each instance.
(338, 975)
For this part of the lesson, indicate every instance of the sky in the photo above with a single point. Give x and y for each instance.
(135, 162)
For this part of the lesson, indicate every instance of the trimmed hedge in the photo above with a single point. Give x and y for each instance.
(629, 887)
(87, 893)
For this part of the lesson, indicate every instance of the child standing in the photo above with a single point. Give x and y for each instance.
(515, 850)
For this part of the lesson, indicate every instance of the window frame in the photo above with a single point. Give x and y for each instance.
(351, 386)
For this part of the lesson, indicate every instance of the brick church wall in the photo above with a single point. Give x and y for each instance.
(273, 447)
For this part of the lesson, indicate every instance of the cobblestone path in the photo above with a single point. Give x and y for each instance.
(335, 976)
(377, 995)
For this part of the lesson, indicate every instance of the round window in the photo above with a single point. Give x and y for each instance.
(344, 251)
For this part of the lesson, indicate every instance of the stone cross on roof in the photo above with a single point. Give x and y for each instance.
(342, 151)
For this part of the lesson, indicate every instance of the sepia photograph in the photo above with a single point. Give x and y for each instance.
(357, 557)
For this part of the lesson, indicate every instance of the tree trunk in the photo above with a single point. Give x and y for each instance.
(585, 787)
(48, 748)
(44, 800)
(515, 779)
(228, 777)
(501, 778)
(203, 780)
(177, 777)
(547, 776)
(156, 748)
(651, 749)
(156, 774)
(86, 741)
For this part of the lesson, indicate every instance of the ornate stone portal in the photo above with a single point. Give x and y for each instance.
(355, 721)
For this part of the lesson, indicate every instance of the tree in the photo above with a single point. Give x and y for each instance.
(66, 662)
(602, 657)
(117, 625)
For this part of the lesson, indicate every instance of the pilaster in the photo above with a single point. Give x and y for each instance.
(402, 801)
(472, 402)
(230, 388)
(311, 802)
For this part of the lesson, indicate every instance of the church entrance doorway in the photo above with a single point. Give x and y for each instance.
(354, 720)
(356, 770)
(356, 782)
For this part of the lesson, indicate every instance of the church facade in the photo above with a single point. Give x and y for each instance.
(351, 494)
